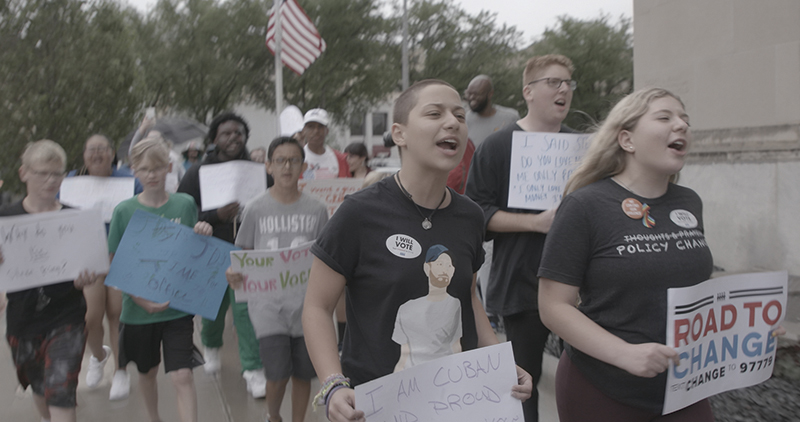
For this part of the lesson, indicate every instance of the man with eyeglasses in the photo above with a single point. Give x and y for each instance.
(323, 162)
(229, 133)
(519, 234)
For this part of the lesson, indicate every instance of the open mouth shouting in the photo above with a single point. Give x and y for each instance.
(449, 145)
(679, 145)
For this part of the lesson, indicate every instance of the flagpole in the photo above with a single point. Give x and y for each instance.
(405, 46)
(278, 68)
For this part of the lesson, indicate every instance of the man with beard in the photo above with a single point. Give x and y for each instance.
(429, 327)
(228, 132)
(484, 117)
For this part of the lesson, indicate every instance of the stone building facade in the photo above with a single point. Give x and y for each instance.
(736, 65)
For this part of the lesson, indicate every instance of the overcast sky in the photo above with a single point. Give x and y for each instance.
(532, 17)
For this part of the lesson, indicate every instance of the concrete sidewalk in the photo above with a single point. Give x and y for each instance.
(223, 398)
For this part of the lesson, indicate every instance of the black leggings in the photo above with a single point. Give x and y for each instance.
(528, 336)
(578, 401)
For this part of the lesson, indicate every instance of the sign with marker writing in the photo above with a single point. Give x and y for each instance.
(541, 164)
(330, 192)
(722, 331)
(468, 386)
(103, 193)
(161, 261)
(279, 276)
(51, 247)
(233, 181)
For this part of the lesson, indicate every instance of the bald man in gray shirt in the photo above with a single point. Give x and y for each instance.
(484, 117)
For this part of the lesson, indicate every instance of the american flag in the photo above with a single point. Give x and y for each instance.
(301, 43)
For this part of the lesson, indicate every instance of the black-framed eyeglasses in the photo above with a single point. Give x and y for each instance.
(555, 83)
(293, 161)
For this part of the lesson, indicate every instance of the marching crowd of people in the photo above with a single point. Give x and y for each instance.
(536, 272)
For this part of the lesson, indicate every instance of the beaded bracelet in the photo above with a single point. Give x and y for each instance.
(328, 398)
(332, 381)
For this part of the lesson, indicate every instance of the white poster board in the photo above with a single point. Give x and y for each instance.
(103, 193)
(234, 181)
(330, 192)
(276, 276)
(721, 329)
(541, 164)
(51, 247)
(468, 386)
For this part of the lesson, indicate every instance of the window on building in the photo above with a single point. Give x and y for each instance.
(379, 123)
(357, 125)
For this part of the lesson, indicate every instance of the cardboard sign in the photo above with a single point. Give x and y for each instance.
(721, 329)
(279, 276)
(330, 192)
(234, 181)
(160, 260)
(468, 386)
(103, 193)
(541, 164)
(51, 247)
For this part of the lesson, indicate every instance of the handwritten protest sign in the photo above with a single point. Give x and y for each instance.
(468, 386)
(278, 276)
(234, 181)
(541, 164)
(330, 192)
(103, 193)
(51, 247)
(721, 330)
(160, 260)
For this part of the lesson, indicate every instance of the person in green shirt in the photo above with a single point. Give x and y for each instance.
(146, 325)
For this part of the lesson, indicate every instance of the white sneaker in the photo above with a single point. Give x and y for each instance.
(256, 383)
(95, 373)
(211, 356)
(120, 385)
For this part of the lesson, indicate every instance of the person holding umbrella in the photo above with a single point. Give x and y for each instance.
(192, 154)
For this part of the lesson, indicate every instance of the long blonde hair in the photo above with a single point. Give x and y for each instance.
(605, 157)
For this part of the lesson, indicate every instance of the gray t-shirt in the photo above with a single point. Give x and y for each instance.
(481, 127)
(268, 225)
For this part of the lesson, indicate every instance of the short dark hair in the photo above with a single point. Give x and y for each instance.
(408, 99)
(357, 148)
(283, 140)
(222, 118)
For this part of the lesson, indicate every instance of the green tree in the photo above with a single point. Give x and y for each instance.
(202, 57)
(360, 66)
(449, 44)
(603, 58)
(66, 71)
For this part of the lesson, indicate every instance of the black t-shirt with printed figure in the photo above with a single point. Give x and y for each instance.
(376, 240)
(37, 311)
(623, 269)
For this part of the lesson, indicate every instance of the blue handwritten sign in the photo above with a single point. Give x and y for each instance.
(468, 386)
(541, 164)
(164, 261)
